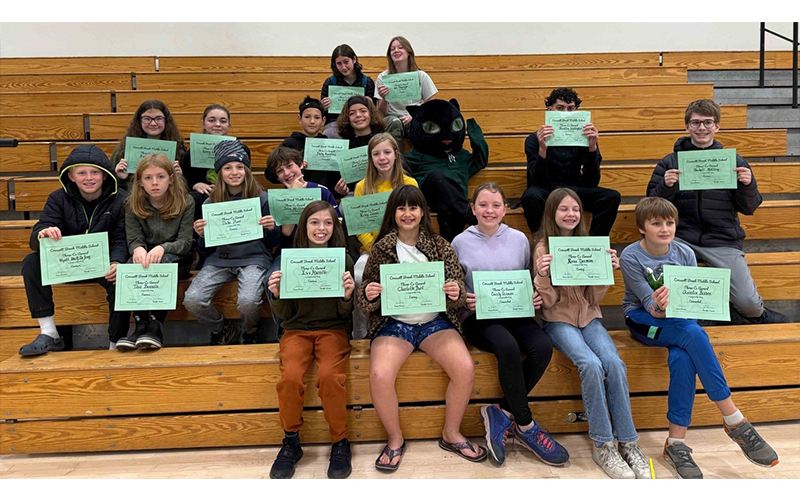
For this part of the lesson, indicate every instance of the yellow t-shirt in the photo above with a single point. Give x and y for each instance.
(367, 239)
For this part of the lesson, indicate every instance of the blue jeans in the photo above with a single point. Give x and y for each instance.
(604, 381)
(690, 356)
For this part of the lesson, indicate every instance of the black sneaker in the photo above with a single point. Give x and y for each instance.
(152, 338)
(340, 467)
(290, 454)
(769, 316)
(128, 343)
(42, 344)
(226, 335)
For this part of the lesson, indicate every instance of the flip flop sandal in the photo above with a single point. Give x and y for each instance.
(397, 452)
(458, 447)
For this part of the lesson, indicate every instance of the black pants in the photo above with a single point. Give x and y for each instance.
(40, 298)
(509, 340)
(602, 203)
(446, 197)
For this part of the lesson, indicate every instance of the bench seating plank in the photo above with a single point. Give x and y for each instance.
(5, 201)
(773, 59)
(48, 103)
(61, 65)
(65, 82)
(43, 128)
(376, 64)
(12, 338)
(263, 428)
(194, 101)
(26, 157)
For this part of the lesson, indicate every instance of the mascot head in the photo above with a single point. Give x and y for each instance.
(437, 128)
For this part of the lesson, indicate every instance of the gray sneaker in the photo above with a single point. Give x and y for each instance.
(679, 456)
(754, 447)
(634, 457)
(609, 459)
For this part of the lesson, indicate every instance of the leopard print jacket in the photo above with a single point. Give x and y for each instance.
(435, 248)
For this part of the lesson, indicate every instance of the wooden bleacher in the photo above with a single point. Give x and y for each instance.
(188, 397)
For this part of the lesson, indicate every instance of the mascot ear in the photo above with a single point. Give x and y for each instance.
(455, 103)
(412, 110)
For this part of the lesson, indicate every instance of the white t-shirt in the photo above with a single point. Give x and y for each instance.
(407, 253)
(426, 88)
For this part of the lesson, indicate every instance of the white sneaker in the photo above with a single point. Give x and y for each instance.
(609, 459)
(633, 455)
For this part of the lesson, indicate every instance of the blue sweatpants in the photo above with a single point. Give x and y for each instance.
(690, 355)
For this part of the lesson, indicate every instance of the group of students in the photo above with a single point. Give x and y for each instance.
(160, 221)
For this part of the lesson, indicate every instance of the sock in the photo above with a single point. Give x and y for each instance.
(525, 428)
(676, 441)
(733, 420)
(47, 326)
(293, 437)
(112, 346)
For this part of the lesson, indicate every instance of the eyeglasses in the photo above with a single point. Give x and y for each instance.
(147, 120)
(697, 123)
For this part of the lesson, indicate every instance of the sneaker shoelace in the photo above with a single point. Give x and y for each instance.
(545, 441)
(684, 454)
(751, 438)
(637, 456)
(286, 454)
(340, 453)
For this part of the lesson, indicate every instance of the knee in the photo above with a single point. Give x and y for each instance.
(381, 377)
(463, 370)
(329, 378)
(611, 198)
(292, 376)
(616, 367)
(749, 307)
(31, 265)
(591, 369)
(193, 301)
(248, 304)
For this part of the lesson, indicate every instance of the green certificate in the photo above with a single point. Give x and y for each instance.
(286, 205)
(698, 292)
(321, 153)
(353, 164)
(580, 260)
(567, 127)
(309, 273)
(503, 294)
(412, 288)
(74, 258)
(364, 214)
(202, 148)
(707, 169)
(339, 95)
(140, 289)
(402, 87)
(230, 222)
(137, 148)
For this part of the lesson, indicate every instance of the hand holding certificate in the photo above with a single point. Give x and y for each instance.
(412, 288)
(503, 294)
(312, 273)
(140, 289)
(74, 258)
(698, 292)
(580, 260)
(231, 222)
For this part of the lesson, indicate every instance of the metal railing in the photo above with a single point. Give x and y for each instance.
(794, 43)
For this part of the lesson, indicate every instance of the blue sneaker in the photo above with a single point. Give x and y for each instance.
(497, 426)
(542, 445)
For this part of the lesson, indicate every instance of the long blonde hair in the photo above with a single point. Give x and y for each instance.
(251, 189)
(371, 180)
(176, 192)
(549, 226)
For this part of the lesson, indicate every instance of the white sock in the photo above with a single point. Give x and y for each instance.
(47, 325)
(734, 419)
(112, 346)
(676, 441)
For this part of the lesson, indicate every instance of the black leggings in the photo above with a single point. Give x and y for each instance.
(509, 340)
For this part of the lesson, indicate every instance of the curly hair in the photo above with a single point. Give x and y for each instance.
(566, 94)
(376, 122)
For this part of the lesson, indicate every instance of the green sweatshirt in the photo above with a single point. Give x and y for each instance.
(175, 235)
(315, 314)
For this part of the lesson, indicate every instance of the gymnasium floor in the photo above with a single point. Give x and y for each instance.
(714, 452)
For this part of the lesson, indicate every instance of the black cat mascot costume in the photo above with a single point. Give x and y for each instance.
(440, 165)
